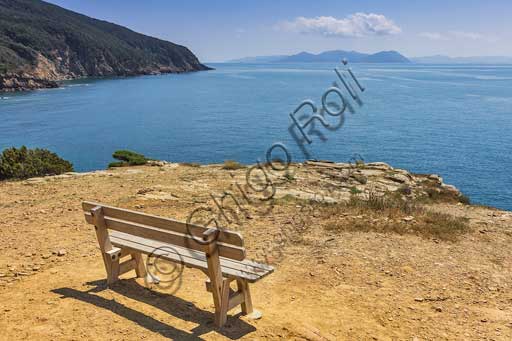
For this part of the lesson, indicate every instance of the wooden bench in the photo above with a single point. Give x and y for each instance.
(220, 254)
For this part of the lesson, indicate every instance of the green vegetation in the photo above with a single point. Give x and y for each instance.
(26, 163)
(464, 199)
(289, 176)
(232, 165)
(128, 158)
(354, 190)
(91, 47)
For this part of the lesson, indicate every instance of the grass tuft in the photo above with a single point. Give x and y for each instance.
(390, 213)
(190, 164)
(232, 165)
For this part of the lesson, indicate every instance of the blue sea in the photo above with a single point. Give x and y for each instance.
(453, 120)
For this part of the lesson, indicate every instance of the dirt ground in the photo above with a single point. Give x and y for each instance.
(328, 285)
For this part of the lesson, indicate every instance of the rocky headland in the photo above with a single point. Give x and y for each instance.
(362, 251)
(41, 44)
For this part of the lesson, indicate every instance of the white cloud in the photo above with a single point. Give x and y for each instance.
(433, 36)
(467, 35)
(453, 35)
(355, 25)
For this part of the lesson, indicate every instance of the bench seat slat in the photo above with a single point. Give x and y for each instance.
(246, 269)
(246, 265)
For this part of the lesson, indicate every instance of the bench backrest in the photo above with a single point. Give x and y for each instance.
(230, 244)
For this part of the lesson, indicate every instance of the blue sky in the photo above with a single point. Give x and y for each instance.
(222, 30)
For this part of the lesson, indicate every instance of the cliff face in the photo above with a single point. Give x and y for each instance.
(42, 43)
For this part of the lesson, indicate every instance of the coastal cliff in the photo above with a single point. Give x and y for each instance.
(443, 269)
(41, 44)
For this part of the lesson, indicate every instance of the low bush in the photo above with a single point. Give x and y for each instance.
(464, 199)
(128, 158)
(354, 190)
(232, 165)
(24, 163)
(289, 176)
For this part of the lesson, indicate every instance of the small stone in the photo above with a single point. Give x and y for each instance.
(255, 315)
(61, 252)
(46, 255)
(436, 178)
(483, 320)
(2, 275)
(438, 309)
(36, 268)
(419, 299)
(408, 218)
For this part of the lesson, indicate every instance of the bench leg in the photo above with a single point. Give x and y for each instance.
(221, 308)
(140, 267)
(243, 287)
(109, 253)
(111, 259)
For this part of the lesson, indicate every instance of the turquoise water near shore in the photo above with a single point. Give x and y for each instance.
(453, 120)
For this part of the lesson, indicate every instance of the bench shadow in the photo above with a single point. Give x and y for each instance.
(235, 328)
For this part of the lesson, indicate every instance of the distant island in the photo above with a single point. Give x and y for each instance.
(441, 59)
(41, 44)
(379, 57)
(329, 56)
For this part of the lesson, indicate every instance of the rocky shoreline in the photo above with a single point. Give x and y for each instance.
(13, 82)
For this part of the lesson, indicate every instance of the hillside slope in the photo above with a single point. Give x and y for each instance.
(41, 43)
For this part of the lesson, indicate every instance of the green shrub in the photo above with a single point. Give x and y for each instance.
(464, 199)
(232, 165)
(128, 158)
(354, 190)
(118, 164)
(289, 176)
(24, 163)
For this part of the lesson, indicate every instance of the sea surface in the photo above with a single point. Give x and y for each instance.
(453, 120)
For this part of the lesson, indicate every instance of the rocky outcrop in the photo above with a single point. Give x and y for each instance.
(22, 82)
(340, 181)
